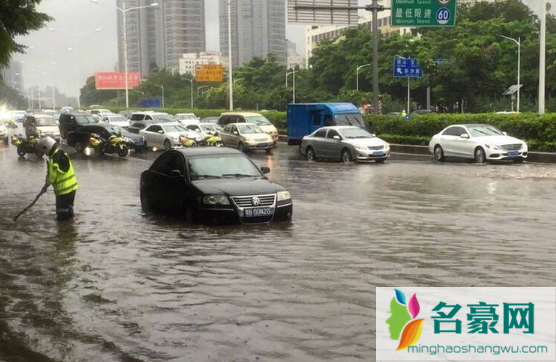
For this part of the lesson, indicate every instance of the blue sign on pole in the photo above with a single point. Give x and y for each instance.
(407, 68)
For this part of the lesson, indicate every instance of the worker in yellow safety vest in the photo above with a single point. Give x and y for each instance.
(61, 176)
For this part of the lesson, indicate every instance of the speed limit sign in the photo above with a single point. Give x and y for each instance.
(444, 2)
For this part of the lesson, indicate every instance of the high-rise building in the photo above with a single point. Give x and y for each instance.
(258, 29)
(158, 36)
(13, 75)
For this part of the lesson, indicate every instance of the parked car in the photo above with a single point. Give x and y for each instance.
(80, 137)
(116, 120)
(99, 111)
(209, 120)
(167, 135)
(306, 118)
(246, 137)
(206, 128)
(18, 115)
(72, 121)
(127, 113)
(481, 142)
(186, 118)
(151, 116)
(138, 125)
(45, 124)
(138, 143)
(248, 117)
(344, 143)
(213, 183)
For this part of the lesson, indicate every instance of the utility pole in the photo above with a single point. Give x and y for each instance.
(230, 61)
(375, 8)
(542, 61)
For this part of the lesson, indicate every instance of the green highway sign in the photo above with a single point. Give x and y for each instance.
(424, 13)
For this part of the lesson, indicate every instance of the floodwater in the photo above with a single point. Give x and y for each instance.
(120, 285)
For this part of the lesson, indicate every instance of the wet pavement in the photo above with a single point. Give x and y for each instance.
(120, 285)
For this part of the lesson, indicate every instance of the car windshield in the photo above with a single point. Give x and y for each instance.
(173, 129)
(182, 117)
(84, 119)
(163, 118)
(484, 131)
(349, 120)
(45, 121)
(248, 129)
(258, 120)
(216, 166)
(355, 133)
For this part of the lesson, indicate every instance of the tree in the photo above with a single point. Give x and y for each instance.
(17, 17)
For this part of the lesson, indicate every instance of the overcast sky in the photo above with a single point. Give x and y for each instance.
(76, 25)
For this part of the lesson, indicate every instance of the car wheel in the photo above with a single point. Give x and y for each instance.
(310, 154)
(240, 147)
(39, 153)
(167, 145)
(145, 202)
(438, 153)
(79, 147)
(345, 156)
(480, 156)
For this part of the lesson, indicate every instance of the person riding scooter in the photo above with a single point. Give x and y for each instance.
(61, 176)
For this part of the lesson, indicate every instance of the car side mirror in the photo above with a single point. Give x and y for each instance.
(464, 135)
(175, 173)
(505, 133)
(265, 169)
(337, 138)
(161, 131)
(236, 132)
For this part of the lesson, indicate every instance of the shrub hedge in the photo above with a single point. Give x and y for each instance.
(538, 131)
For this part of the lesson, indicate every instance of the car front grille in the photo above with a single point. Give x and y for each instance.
(260, 139)
(375, 148)
(512, 147)
(247, 201)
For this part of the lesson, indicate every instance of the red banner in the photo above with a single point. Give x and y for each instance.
(117, 80)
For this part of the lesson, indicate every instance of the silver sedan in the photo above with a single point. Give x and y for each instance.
(344, 143)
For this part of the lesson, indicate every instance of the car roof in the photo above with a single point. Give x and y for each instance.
(245, 114)
(238, 124)
(472, 125)
(162, 124)
(202, 151)
(338, 127)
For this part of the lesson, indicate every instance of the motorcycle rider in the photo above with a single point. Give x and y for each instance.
(30, 125)
(61, 176)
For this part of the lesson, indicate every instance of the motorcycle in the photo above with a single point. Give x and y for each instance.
(115, 144)
(187, 142)
(211, 141)
(25, 146)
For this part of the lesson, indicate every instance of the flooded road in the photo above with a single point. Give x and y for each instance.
(120, 285)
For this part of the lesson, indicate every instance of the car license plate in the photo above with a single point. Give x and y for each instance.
(260, 211)
(513, 154)
(378, 154)
(262, 145)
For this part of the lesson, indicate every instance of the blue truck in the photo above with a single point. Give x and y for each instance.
(304, 118)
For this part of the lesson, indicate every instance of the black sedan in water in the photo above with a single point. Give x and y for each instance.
(213, 183)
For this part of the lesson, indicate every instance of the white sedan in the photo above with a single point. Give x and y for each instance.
(116, 120)
(167, 135)
(481, 142)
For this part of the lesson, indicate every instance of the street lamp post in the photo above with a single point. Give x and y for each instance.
(288, 73)
(230, 62)
(191, 81)
(357, 72)
(198, 89)
(161, 86)
(124, 10)
(518, 42)
(542, 58)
